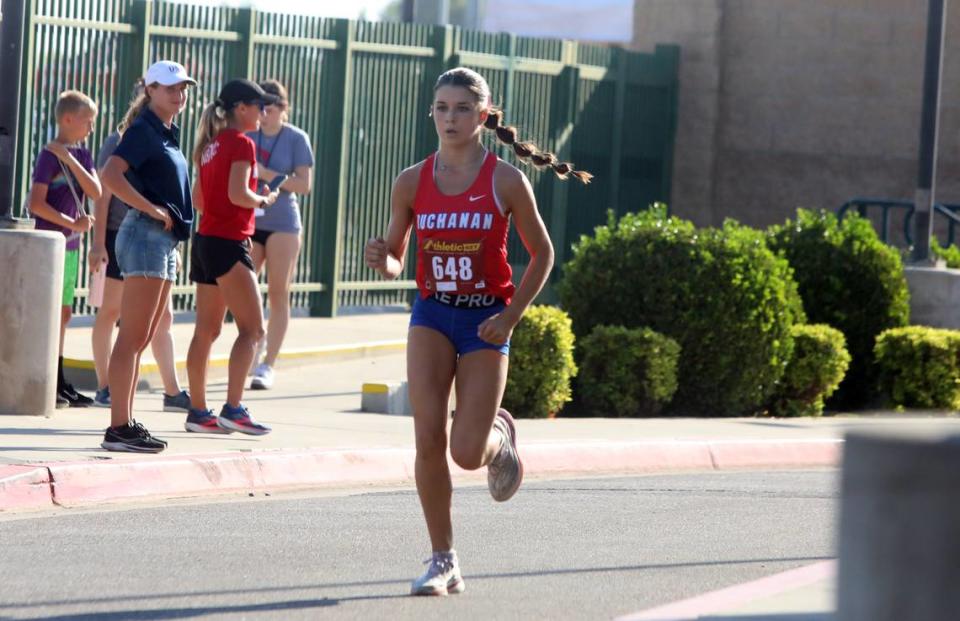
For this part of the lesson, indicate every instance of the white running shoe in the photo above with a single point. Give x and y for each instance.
(505, 471)
(262, 377)
(442, 576)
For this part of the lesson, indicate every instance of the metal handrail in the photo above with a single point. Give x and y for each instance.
(950, 211)
(862, 203)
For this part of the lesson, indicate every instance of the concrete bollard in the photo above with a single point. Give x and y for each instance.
(31, 281)
(391, 398)
(900, 529)
(386, 398)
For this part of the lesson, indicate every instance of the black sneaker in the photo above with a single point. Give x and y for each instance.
(131, 439)
(62, 402)
(146, 434)
(75, 399)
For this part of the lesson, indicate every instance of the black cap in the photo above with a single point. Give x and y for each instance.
(243, 91)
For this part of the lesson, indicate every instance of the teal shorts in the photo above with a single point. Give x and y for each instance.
(71, 267)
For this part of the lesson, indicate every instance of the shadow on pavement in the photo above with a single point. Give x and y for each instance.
(378, 583)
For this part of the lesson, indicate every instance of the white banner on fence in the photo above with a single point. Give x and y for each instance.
(585, 20)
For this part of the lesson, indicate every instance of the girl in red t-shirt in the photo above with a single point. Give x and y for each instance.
(220, 264)
(460, 200)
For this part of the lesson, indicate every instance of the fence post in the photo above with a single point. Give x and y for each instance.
(246, 26)
(23, 164)
(334, 156)
(562, 119)
(141, 14)
(442, 41)
(616, 149)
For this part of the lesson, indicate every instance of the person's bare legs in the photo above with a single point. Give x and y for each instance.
(242, 295)
(102, 338)
(163, 351)
(281, 257)
(258, 255)
(481, 379)
(211, 310)
(151, 333)
(139, 308)
(431, 364)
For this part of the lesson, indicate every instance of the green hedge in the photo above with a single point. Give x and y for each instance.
(920, 367)
(850, 280)
(950, 254)
(720, 293)
(627, 371)
(541, 363)
(819, 362)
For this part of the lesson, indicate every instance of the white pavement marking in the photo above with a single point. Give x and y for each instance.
(725, 599)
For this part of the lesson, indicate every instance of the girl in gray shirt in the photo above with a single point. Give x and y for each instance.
(282, 149)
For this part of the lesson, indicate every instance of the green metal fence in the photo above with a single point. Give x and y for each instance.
(362, 91)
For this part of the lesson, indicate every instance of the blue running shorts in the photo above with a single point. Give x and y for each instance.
(457, 318)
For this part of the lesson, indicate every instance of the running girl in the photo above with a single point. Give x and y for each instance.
(460, 201)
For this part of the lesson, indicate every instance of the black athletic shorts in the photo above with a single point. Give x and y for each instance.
(260, 237)
(113, 268)
(212, 257)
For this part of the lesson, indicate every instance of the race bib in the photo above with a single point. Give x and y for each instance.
(453, 266)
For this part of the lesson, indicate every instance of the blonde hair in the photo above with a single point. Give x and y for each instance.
(507, 134)
(72, 102)
(212, 121)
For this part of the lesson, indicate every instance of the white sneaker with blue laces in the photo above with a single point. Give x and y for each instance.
(442, 576)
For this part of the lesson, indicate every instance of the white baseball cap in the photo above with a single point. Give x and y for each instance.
(168, 73)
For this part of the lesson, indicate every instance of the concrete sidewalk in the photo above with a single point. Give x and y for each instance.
(308, 340)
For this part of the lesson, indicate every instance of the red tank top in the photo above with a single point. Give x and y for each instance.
(461, 239)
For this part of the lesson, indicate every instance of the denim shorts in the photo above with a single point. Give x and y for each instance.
(145, 249)
(458, 324)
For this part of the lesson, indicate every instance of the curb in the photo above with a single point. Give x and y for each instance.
(71, 484)
(25, 487)
(82, 373)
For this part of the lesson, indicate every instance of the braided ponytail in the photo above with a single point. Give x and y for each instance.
(507, 134)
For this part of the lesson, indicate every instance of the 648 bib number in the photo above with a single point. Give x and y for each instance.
(453, 266)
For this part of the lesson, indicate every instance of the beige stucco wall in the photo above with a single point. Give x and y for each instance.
(787, 103)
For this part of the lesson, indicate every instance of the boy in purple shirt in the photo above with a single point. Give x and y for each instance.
(63, 177)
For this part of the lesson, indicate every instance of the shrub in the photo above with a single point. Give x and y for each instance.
(720, 293)
(541, 363)
(850, 280)
(950, 254)
(627, 371)
(920, 367)
(818, 364)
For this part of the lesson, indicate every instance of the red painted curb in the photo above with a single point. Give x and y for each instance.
(775, 453)
(80, 483)
(25, 487)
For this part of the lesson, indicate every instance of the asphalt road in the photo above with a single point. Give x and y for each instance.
(561, 549)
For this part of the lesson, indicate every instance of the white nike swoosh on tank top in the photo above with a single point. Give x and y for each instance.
(473, 199)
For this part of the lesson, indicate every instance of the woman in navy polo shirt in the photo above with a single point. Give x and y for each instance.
(149, 173)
